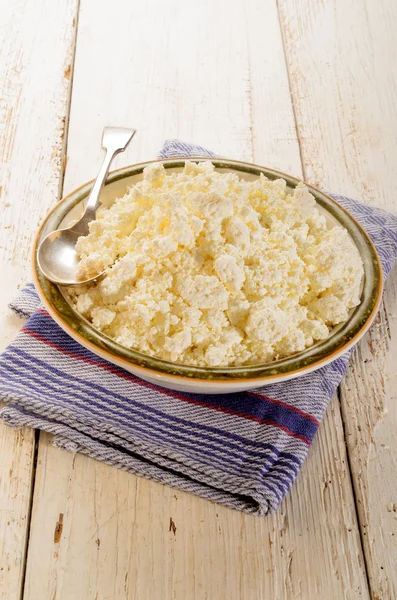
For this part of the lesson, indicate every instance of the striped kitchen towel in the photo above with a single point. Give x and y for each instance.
(242, 450)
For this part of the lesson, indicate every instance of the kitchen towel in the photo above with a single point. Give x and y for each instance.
(243, 450)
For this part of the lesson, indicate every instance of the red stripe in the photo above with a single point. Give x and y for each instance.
(294, 409)
(257, 395)
(141, 382)
(106, 366)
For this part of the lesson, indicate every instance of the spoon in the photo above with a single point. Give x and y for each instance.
(56, 256)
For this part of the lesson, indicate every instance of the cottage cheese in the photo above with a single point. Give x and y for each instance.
(206, 269)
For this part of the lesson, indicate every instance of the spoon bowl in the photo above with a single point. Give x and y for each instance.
(56, 256)
(58, 259)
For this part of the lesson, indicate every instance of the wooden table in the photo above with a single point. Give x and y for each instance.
(306, 86)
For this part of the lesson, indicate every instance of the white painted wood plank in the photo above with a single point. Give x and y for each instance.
(36, 45)
(165, 71)
(16, 468)
(36, 39)
(170, 75)
(344, 87)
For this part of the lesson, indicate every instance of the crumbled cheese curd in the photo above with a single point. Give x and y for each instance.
(203, 268)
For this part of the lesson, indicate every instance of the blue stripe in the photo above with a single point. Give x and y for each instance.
(30, 292)
(259, 489)
(161, 429)
(257, 485)
(144, 429)
(171, 420)
(243, 403)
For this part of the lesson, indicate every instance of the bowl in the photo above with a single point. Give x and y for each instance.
(214, 380)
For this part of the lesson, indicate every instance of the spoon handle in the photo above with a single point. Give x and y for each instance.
(114, 140)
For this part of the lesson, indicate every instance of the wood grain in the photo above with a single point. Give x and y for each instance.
(16, 468)
(36, 43)
(36, 50)
(344, 88)
(101, 533)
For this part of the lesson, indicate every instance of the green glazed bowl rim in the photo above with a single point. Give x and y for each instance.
(310, 359)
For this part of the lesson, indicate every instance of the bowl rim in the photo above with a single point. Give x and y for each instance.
(226, 163)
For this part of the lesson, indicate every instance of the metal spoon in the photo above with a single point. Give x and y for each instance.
(56, 255)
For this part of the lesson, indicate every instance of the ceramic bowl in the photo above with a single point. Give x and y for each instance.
(200, 379)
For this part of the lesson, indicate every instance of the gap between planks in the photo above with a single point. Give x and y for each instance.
(44, 114)
(298, 137)
(354, 491)
(344, 94)
(29, 509)
(338, 393)
(60, 193)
